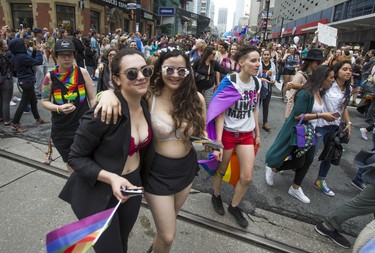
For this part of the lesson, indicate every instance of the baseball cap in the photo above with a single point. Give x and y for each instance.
(37, 30)
(64, 45)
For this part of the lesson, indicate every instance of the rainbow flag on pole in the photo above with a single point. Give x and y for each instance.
(81, 235)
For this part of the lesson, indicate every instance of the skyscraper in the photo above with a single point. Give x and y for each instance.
(222, 19)
(240, 11)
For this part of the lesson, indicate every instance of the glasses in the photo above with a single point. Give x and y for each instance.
(132, 73)
(169, 71)
(65, 56)
(111, 55)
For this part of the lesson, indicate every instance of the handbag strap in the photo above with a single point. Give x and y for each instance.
(300, 121)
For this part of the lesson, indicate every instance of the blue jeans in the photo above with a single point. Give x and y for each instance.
(322, 136)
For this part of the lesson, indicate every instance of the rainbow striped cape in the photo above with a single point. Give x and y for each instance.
(80, 236)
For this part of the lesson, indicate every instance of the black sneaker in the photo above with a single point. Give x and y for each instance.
(359, 185)
(236, 212)
(218, 204)
(334, 235)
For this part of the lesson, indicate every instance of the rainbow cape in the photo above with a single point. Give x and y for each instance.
(81, 235)
(225, 96)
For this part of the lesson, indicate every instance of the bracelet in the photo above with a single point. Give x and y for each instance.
(98, 96)
(57, 110)
(317, 115)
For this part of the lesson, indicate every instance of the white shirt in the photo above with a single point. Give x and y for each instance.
(240, 116)
(333, 100)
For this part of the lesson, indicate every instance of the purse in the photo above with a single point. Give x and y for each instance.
(343, 135)
(305, 134)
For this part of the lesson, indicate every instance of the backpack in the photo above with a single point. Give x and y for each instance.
(233, 77)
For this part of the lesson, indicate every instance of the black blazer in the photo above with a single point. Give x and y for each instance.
(100, 146)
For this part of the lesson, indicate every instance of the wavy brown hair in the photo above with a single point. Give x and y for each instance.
(187, 106)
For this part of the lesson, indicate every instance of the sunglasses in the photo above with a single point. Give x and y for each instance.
(132, 73)
(111, 55)
(169, 71)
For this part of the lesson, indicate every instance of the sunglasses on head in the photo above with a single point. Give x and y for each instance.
(132, 73)
(169, 71)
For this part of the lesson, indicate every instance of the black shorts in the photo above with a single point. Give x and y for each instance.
(171, 175)
(62, 139)
(289, 72)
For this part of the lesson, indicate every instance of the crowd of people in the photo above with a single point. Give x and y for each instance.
(154, 94)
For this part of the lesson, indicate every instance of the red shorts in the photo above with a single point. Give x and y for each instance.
(231, 139)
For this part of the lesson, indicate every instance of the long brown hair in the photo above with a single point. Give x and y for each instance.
(186, 104)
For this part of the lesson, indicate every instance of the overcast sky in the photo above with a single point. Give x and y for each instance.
(231, 5)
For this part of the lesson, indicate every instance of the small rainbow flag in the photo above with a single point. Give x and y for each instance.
(80, 236)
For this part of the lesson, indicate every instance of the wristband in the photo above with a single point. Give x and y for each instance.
(317, 116)
(57, 110)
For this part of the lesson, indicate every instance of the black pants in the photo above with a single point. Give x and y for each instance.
(28, 97)
(301, 165)
(115, 237)
(266, 103)
(6, 93)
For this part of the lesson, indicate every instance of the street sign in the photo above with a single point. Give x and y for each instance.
(166, 11)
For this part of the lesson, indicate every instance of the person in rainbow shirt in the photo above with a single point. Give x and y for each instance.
(68, 92)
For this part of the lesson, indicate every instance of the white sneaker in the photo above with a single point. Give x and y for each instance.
(270, 176)
(298, 194)
(12, 103)
(363, 133)
(16, 99)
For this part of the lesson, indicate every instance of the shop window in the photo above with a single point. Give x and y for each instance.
(22, 15)
(95, 20)
(339, 11)
(66, 18)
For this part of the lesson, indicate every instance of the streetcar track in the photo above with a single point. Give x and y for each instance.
(183, 215)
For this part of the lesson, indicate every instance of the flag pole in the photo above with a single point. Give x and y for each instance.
(106, 223)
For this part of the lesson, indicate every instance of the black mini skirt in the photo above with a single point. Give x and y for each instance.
(171, 175)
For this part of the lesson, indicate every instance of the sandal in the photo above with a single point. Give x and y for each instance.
(17, 128)
(41, 121)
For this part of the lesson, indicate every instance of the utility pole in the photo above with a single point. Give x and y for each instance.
(281, 29)
(138, 23)
(266, 25)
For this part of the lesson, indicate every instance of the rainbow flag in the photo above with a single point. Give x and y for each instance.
(80, 236)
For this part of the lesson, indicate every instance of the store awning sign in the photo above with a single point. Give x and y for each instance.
(166, 11)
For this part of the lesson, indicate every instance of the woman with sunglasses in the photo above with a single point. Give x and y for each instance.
(107, 158)
(67, 92)
(177, 113)
(105, 73)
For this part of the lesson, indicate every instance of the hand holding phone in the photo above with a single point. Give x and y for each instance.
(336, 115)
(131, 192)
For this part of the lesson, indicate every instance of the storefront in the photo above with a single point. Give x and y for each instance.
(65, 17)
(22, 15)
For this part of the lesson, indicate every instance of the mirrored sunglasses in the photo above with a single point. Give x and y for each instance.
(169, 71)
(132, 73)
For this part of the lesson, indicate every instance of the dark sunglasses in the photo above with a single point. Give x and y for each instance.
(169, 71)
(132, 73)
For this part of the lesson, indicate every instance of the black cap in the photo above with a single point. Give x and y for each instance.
(37, 30)
(314, 54)
(64, 45)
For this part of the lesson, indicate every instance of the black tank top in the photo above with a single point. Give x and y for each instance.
(76, 95)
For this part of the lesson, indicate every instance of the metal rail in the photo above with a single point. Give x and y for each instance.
(186, 216)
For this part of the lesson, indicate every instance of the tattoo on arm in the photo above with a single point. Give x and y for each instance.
(46, 88)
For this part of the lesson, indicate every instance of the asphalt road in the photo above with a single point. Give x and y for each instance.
(276, 198)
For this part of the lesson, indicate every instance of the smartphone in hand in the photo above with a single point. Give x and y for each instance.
(131, 192)
(336, 115)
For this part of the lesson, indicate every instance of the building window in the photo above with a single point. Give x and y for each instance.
(95, 20)
(358, 8)
(66, 18)
(339, 11)
(22, 15)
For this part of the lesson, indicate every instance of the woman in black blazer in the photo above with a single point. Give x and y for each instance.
(108, 157)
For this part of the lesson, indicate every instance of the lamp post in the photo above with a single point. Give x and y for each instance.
(281, 28)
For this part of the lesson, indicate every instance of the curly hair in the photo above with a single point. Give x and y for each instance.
(187, 106)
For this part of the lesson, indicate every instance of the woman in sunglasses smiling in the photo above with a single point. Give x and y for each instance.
(177, 113)
(107, 157)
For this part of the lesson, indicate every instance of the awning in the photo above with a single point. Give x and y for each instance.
(365, 22)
